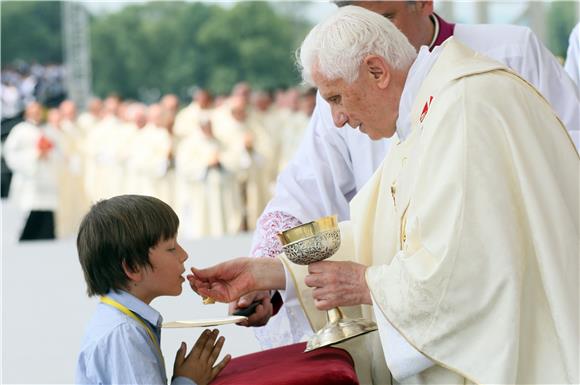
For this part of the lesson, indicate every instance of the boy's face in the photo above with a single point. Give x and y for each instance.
(165, 275)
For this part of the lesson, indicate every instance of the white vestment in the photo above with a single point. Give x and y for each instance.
(249, 165)
(34, 183)
(208, 200)
(341, 160)
(73, 200)
(106, 151)
(572, 64)
(188, 120)
(470, 228)
(147, 161)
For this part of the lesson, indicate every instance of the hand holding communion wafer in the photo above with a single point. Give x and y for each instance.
(230, 280)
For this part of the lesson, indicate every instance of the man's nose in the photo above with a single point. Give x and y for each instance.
(340, 117)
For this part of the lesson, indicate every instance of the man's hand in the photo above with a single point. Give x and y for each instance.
(338, 284)
(263, 311)
(228, 281)
(198, 365)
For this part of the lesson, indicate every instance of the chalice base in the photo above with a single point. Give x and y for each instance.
(339, 329)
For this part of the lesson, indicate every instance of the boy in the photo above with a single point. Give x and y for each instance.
(129, 255)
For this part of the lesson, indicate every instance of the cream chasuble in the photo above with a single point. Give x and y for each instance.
(471, 230)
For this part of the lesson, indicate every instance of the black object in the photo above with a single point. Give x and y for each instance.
(39, 225)
(247, 311)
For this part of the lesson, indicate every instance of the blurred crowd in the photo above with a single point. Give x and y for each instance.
(23, 83)
(214, 161)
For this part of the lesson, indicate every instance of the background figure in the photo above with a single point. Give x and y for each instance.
(148, 157)
(187, 121)
(207, 194)
(32, 153)
(301, 105)
(233, 127)
(73, 200)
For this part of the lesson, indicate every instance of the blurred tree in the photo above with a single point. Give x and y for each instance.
(31, 31)
(251, 42)
(560, 19)
(149, 49)
(173, 46)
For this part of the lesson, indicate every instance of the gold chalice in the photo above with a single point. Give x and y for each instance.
(313, 242)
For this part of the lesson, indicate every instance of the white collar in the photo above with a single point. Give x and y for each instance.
(417, 73)
(435, 32)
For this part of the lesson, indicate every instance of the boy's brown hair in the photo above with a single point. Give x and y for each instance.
(118, 231)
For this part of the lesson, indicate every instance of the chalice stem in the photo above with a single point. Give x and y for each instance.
(334, 315)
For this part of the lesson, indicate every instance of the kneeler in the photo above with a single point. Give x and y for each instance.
(289, 365)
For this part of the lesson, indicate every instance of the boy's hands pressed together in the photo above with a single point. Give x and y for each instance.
(198, 365)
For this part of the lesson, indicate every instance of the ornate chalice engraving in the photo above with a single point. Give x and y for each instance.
(313, 242)
(313, 249)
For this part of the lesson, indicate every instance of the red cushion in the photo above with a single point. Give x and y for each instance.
(289, 365)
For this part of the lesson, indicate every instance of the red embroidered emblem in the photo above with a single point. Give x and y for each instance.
(425, 109)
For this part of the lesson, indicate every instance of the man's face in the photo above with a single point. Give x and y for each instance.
(361, 104)
(411, 18)
(34, 113)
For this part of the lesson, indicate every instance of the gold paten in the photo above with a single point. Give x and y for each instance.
(313, 242)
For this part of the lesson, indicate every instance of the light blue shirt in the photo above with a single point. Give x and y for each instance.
(116, 349)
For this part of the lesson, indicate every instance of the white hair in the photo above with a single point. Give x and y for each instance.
(338, 45)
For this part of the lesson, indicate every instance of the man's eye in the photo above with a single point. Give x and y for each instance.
(389, 16)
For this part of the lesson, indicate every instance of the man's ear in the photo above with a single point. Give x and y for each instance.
(425, 8)
(379, 70)
(135, 275)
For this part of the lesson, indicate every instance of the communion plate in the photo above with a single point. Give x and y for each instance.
(201, 323)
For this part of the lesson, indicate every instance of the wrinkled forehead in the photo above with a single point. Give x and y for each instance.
(328, 87)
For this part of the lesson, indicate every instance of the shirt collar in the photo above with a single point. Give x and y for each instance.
(137, 306)
(435, 21)
(417, 73)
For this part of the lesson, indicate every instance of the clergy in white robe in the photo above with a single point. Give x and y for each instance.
(148, 157)
(106, 153)
(465, 240)
(232, 126)
(341, 160)
(33, 154)
(73, 200)
(188, 120)
(208, 199)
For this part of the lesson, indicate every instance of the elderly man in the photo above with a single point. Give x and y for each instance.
(340, 161)
(465, 240)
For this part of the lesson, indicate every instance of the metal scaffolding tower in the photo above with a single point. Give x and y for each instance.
(75, 28)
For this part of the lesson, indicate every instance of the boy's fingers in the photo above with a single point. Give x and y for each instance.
(219, 367)
(217, 348)
(199, 344)
(180, 355)
(209, 344)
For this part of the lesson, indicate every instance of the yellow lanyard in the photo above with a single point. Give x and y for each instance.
(118, 306)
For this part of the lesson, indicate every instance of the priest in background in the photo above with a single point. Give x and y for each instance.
(463, 246)
(33, 154)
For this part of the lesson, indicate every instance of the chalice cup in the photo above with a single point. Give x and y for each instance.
(312, 242)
